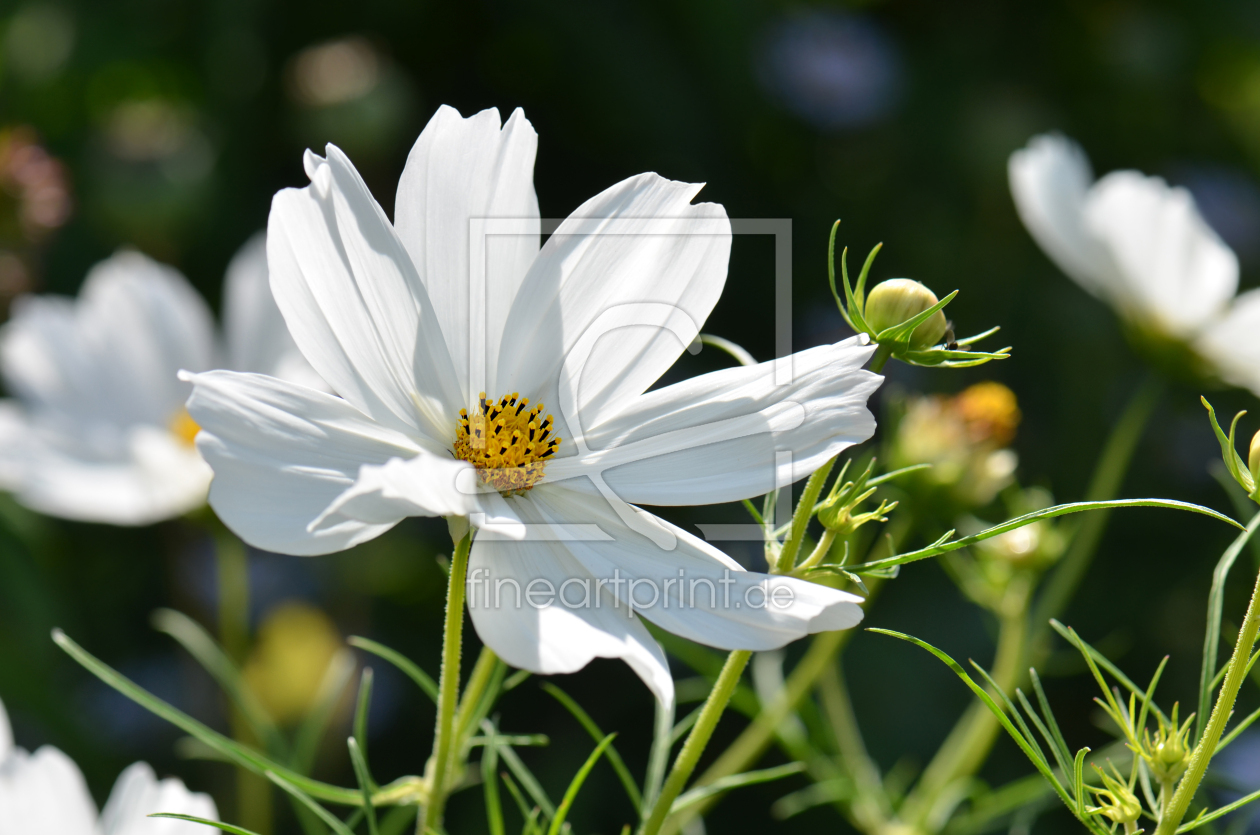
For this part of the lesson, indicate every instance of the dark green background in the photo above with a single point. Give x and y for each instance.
(614, 89)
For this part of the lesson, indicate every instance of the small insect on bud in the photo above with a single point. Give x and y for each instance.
(898, 299)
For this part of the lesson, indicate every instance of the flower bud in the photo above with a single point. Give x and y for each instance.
(898, 299)
(1253, 457)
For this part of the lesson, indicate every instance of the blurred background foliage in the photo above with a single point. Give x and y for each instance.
(167, 125)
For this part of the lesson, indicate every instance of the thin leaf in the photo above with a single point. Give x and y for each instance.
(663, 739)
(614, 759)
(1239, 728)
(1216, 813)
(402, 662)
(194, 638)
(528, 781)
(734, 781)
(575, 785)
(245, 757)
(834, 790)
(490, 780)
(1082, 646)
(362, 703)
(302, 797)
(515, 680)
(891, 474)
(226, 827)
(521, 805)
(365, 782)
(940, 547)
(1064, 753)
(1038, 761)
(859, 292)
(519, 740)
(901, 331)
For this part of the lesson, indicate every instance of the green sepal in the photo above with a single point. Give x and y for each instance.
(1233, 461)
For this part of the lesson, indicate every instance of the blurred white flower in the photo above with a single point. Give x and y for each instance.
(44, 794)
(382, 312)
(98, 430)
(1143, 247)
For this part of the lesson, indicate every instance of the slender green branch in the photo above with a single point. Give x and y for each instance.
(448, 689)
(870, 807)
(800, 518)
(719, 696)
(1221, 712)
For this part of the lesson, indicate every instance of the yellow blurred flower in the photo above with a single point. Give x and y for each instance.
(964, 438)
(295, 645)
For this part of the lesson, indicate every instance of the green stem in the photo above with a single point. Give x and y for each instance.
(800, 518)
(820, 551)
(880, 358)
(482, 672)
(719, 696)
(253, 792)
(968, 744)
(1221, 712)
(1105, 484)
(870, 807)
(233, 570)
(448, 688)
(756, 738)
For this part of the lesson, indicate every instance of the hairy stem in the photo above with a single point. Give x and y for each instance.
(448, 688)
(714, 705)
(1221, 712)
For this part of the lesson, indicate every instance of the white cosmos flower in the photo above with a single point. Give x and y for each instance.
(1142, 246)
(44, 794)
(98, 430)
(408, 322)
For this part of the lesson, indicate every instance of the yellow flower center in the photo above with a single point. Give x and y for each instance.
(507, 441)
(183, 427)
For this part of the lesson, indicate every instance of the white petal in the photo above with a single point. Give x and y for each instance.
(471, 176)
(44, 793)
(257, 337)
(744, 610)
(426, 484)
(1050, 181)
(354, 304)
(1178, 273)
(555, 638)
(723, 436)
(112, 355)
(282, 454)
(1232, 344)
(6, 734)
(157, 478)
(641, 240)
(138, 793)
